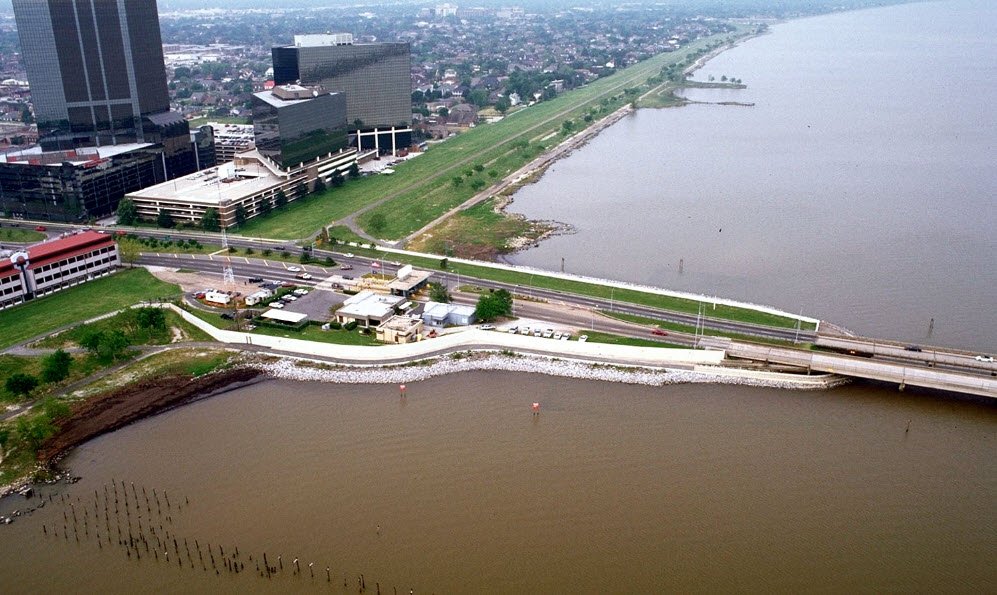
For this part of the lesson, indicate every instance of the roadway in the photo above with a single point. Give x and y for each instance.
(947, 370)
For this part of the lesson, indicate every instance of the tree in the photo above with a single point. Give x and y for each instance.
(240, 214)
(319, 186)
(502, 105)
(106, 346)
(129, 251)
(457, 181)
(151, 318)
(265, 206)
(33, 432)
(438, 293)
(55, 367)
(336, 179)
(354, 170)
(493, 305)
(444, 112)
(164, 219)
(21, 384)
(281, 201)
(444, 264)
(127, 213)
(377, 222)
(210, 221)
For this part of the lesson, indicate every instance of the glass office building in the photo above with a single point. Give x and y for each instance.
(374, 77)
(98, 78)
(295, 124)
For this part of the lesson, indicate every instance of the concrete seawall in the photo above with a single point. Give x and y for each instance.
(595, 361)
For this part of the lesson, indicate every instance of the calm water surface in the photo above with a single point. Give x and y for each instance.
(613, 488)
(859, 188)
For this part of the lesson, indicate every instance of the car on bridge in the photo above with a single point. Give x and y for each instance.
(659, 332)
(989, 359)
(914, 348)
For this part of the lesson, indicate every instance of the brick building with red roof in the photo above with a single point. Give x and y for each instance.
(57, 264)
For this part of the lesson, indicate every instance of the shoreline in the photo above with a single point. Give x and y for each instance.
(146, 398)
(535, 170)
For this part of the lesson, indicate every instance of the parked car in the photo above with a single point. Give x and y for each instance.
(538, 332)
(984, 358)
(565, 337)
(278, 305)
(256, 279)
(346, 267)
(583, 338)
(659, 332)
(547, 334)
(487, 327)
(557, 336)
(524, 330)
(294, 269)
(513, 330)
(300, 291)
(227, 316)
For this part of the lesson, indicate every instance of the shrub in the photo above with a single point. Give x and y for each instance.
(351, 325)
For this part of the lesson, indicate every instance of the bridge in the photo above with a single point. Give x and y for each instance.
(874, 359)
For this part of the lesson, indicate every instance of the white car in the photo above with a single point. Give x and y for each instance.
(300, 291)
(524, 330)
(984, 358)
(348, 255)
(487, 327)
(548, 333)
(583, 338)
(294, 269)
(557, 336)
(290, 298)
(537, 333)
(565, 337)
(277, 305)
(513, 330)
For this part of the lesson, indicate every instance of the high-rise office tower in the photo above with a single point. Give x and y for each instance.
(374, 77)
(97, 76)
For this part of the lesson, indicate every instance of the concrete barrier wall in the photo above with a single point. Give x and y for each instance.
(471, 339)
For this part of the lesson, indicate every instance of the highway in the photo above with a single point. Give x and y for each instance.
(579, 312)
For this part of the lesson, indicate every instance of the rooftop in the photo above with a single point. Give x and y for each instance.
(81, 156)
(368, 304)
(283, 316)
(216, 185)
(46, 252)
(285, 95)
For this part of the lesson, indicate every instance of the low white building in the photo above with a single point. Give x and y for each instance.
(437, 314)
(369, 309)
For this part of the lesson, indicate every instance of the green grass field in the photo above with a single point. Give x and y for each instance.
(73, 305)
(20, 235)
(597, 337)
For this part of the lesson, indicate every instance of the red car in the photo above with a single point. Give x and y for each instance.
(41, 228)
(659, 332)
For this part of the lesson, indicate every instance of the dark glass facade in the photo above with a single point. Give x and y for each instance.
(374, 77)
(96, 70)
(293, 132)
(74, 189)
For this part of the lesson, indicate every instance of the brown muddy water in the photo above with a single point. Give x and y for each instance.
(457, 488)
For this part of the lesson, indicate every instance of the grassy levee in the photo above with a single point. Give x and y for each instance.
(75, 304)
(582, 288)
(418, 177)
(690, 330)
